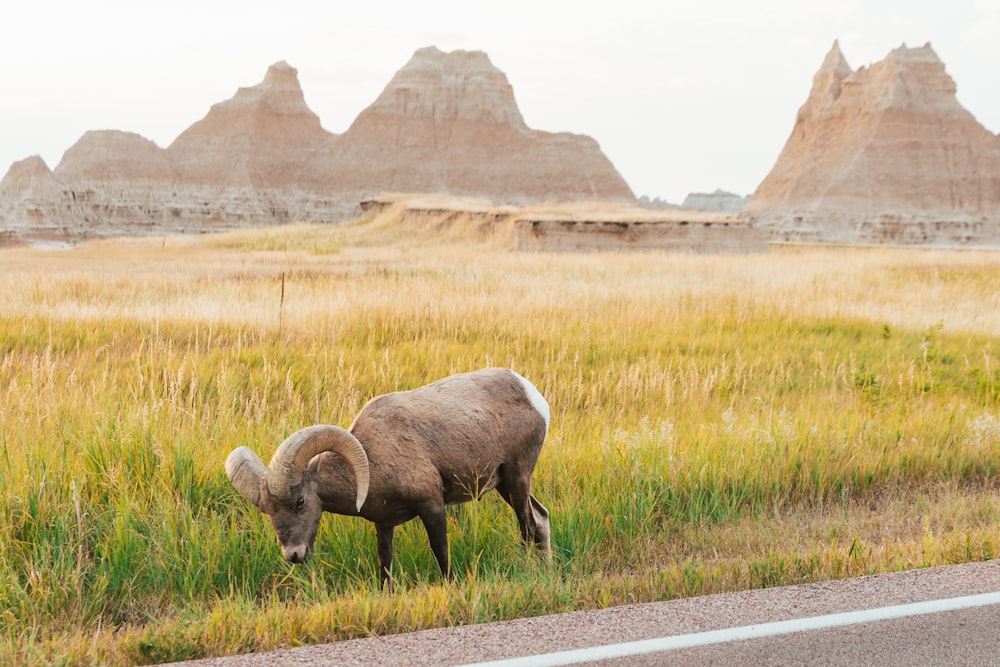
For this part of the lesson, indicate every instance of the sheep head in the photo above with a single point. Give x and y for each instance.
(285, 493)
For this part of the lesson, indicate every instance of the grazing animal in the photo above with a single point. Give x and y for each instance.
(407, 454)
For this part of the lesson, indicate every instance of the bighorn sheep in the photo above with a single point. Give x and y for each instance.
(407, 454)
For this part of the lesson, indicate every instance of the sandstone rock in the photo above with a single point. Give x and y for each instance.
(720, 200)
(111, 158)
(448, 123)
(29, 179)
(565, 227)
(672, 236)
(883, 154)
(262, 137)
(32, 194)
(655, 203)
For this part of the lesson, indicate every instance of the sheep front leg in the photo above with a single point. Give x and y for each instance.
(385, 532)
(532, 516)
(541, 536)
(436, 525)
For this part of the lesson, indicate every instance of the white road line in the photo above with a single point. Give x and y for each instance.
(745, 632)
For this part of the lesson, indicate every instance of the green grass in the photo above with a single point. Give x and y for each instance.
(711, 431)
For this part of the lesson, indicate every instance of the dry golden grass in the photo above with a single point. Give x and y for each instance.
(189, 278)
(720, 422)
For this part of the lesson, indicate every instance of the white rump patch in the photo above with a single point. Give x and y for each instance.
(537, 400)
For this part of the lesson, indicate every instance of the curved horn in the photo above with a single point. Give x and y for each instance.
(245, 470)
(287, 464)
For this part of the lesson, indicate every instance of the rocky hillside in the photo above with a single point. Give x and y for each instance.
(446, 123)
(264, 137)
(720, 200)
(883, 154)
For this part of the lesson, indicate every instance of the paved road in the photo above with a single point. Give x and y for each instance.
(962, 636)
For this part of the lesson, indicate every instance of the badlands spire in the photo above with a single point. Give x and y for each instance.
(448, 123)
(884, 154)
(259, 138)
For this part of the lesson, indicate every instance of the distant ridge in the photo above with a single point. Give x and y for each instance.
(446, 123)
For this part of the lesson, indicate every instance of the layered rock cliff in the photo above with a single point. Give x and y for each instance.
(261, 138)
(29, 195)
(446, 123)
(883, 154)
(720, 200)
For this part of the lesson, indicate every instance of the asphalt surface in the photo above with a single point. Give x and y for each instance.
(961, 637)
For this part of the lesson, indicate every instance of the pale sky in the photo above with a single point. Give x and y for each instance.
(682, 96)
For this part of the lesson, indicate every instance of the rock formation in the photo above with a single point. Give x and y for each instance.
(656, 203)
(883, 154)
(567, 227)
(113, 159)
(30, 180)
(263, 137)
(720, 200)
(446, 123)
(30, 190)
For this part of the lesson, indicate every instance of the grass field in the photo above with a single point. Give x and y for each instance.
(719, 423)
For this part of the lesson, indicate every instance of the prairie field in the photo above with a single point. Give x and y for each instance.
(719, 423)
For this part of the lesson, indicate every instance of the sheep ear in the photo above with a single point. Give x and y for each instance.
(245, 470)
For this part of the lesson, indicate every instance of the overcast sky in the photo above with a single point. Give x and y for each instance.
(683, 97)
